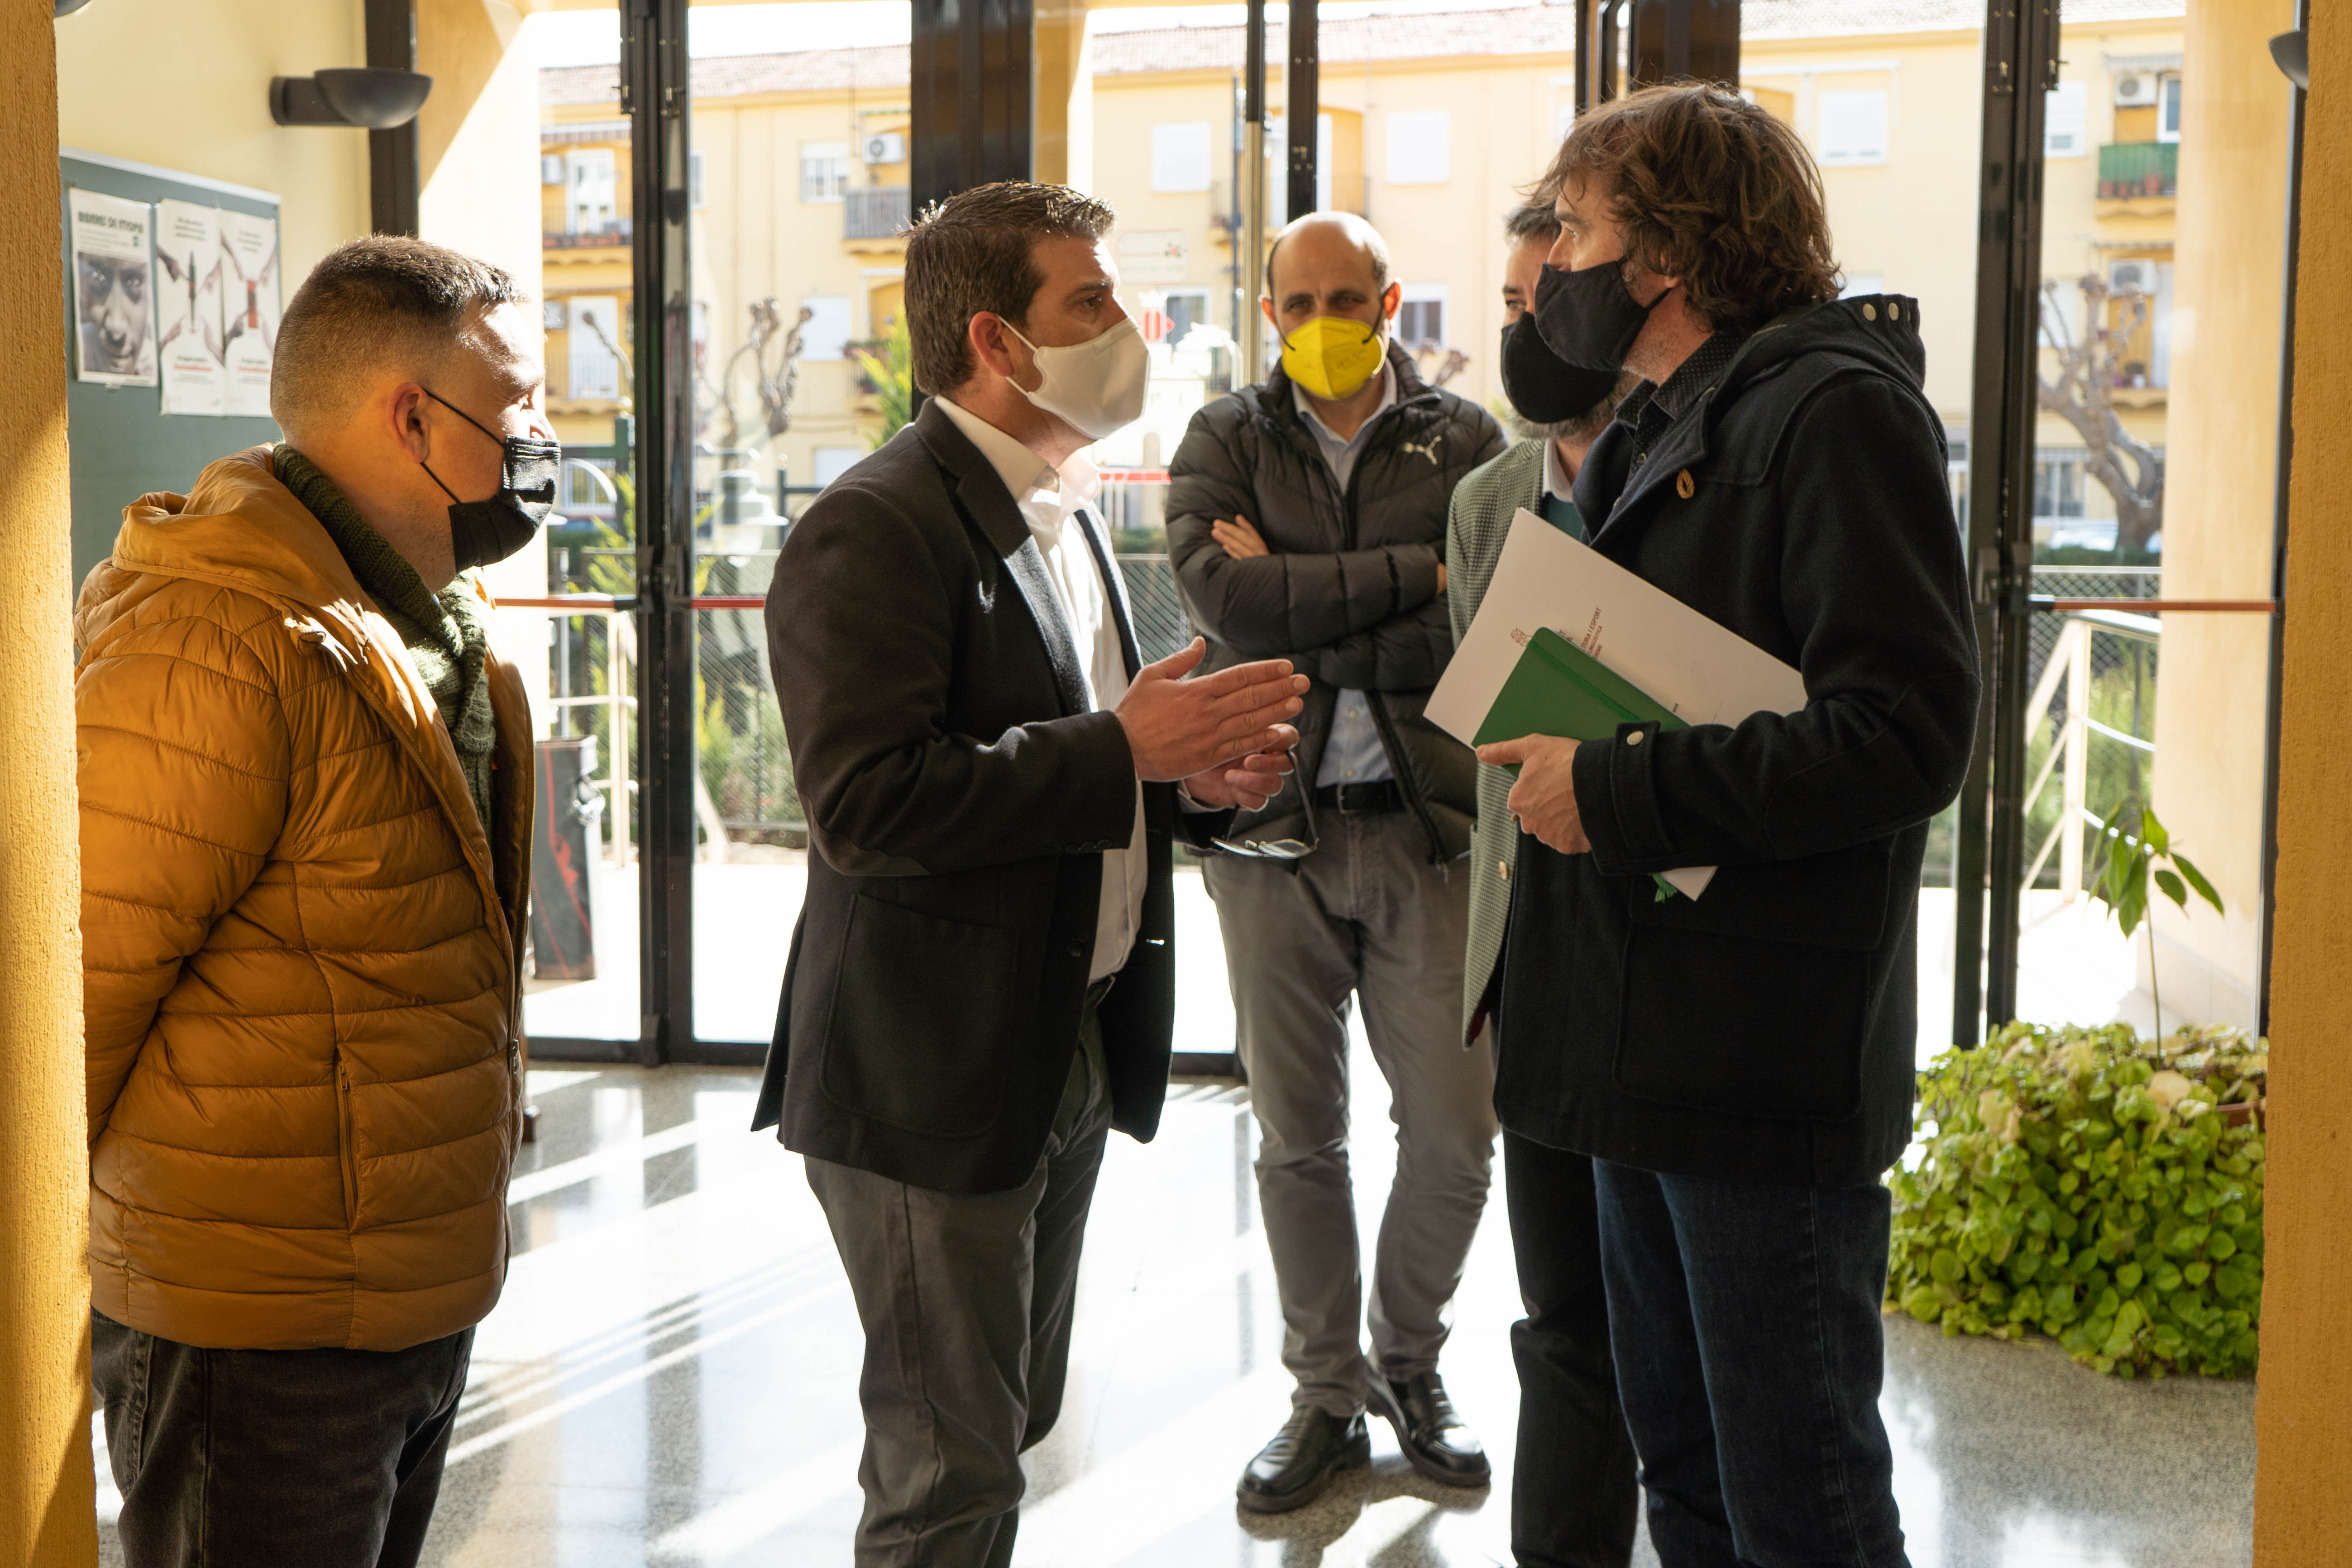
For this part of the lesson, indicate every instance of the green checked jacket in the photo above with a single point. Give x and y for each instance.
(1477, 523)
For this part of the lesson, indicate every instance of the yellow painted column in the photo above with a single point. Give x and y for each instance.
(2230, 257)
(1064, 145)
(2303, 1415)
(48, 1513)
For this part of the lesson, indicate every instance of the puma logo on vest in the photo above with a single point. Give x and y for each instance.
(1429, 448)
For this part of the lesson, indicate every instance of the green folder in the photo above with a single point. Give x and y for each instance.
(1558, 689)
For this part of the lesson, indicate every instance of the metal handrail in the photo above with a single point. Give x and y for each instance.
(2070, 659)
(2148, 606)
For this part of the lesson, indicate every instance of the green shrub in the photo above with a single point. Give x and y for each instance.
(2083, 1184)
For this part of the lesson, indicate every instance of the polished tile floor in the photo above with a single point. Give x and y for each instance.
(670, 1379)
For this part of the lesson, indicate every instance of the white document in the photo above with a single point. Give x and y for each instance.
(188, 301)
(248, 309)
(1702, 671)
(114, 304)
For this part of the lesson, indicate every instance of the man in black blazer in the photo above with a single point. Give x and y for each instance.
(983, 981)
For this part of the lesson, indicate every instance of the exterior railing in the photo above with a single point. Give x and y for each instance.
(875, 211)
(613, 233)
(2128, 169)
(2071, 663)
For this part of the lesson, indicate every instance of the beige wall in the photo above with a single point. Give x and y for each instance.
(47, 1514)
(2303, 1502)
(2209, 704)
(185, 85)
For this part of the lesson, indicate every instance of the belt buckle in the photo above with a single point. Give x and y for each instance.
(1341, 801)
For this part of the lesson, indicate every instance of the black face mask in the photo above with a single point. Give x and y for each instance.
(481, 532)
(1589, 318)
(1544, 388)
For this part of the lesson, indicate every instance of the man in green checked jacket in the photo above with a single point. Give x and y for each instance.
(1572, 1492)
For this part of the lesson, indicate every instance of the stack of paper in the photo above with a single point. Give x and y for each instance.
(1569, 643)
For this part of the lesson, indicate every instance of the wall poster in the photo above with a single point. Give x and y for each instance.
(249, 249)
(188, 301)
(114, 309)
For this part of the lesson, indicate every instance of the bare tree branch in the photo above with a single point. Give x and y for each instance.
(2083, 393)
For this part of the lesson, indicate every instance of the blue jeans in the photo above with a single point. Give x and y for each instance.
(1745, 1318)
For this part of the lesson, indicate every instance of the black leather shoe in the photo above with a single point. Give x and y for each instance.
(1432, 1436)
(1310, 1450)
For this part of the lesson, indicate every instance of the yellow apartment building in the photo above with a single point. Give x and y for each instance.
(1430, 124)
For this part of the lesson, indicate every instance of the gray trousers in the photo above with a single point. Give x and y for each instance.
(1366, 914)
(966, 1303)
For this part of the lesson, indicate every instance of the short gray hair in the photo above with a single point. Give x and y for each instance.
(1532, 220)
(387, 301)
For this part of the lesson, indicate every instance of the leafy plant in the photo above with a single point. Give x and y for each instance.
(2135, 851)
(2068, 1181)
(888, 370)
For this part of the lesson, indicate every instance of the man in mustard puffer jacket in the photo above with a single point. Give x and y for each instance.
(305, 827)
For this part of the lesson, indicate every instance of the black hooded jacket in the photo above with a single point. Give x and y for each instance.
(1766, 1030)
(1350, 592)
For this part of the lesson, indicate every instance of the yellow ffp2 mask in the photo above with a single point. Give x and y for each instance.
(1333, 356)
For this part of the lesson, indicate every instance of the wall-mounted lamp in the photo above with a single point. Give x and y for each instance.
(68, 8)
(378, 99)
(2293, 53)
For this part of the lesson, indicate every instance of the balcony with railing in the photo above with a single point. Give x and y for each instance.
(2139, 170)
(610, 234)
(874, 212)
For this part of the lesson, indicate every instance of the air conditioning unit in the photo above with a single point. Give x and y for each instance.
(2126, 276)
(2138, 90)
(890, 147)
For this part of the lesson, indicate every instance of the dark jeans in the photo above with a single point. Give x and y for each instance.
(329, 1459)
(1750, 1351)
(1573, 1493)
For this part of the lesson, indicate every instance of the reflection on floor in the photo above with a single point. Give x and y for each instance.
(670, 1379)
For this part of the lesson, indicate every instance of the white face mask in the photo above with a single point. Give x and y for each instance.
(1098, 386)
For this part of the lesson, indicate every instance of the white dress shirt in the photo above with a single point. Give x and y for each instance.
(1055, 504)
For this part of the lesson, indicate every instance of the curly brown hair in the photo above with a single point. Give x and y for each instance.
(1708, 188)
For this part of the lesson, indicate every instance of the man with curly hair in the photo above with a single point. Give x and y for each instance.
(1739, 1065)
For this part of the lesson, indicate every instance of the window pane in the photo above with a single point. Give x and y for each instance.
(1419, 147)
(825, 171)
(1180, 156)
(1854, 127)
(595, 337)
(2066, 120)
(825, 335)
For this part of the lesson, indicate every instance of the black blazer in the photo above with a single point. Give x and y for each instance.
(959, 797)
(1764, 1032)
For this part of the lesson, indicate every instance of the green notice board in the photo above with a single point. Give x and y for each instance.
(124, 444)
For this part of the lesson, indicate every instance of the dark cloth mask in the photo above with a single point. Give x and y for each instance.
(1545, 389)
(1588, 317)
(481, 532)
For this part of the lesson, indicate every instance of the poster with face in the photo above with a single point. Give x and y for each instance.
(249, 250)
(114, 309)
(188, 308)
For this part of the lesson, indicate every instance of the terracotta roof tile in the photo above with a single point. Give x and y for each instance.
(1514, 30)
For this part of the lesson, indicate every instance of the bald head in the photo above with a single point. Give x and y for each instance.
(1329, 241)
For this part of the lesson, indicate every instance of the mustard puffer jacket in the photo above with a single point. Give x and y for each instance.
(300, 945)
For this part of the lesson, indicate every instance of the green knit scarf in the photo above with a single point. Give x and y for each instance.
(445, 632)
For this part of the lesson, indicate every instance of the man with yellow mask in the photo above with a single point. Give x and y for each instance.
(1307, 521)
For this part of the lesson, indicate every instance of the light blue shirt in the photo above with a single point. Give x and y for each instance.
(1354, 753)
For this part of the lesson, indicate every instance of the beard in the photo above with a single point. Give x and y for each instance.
(1585, 428)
